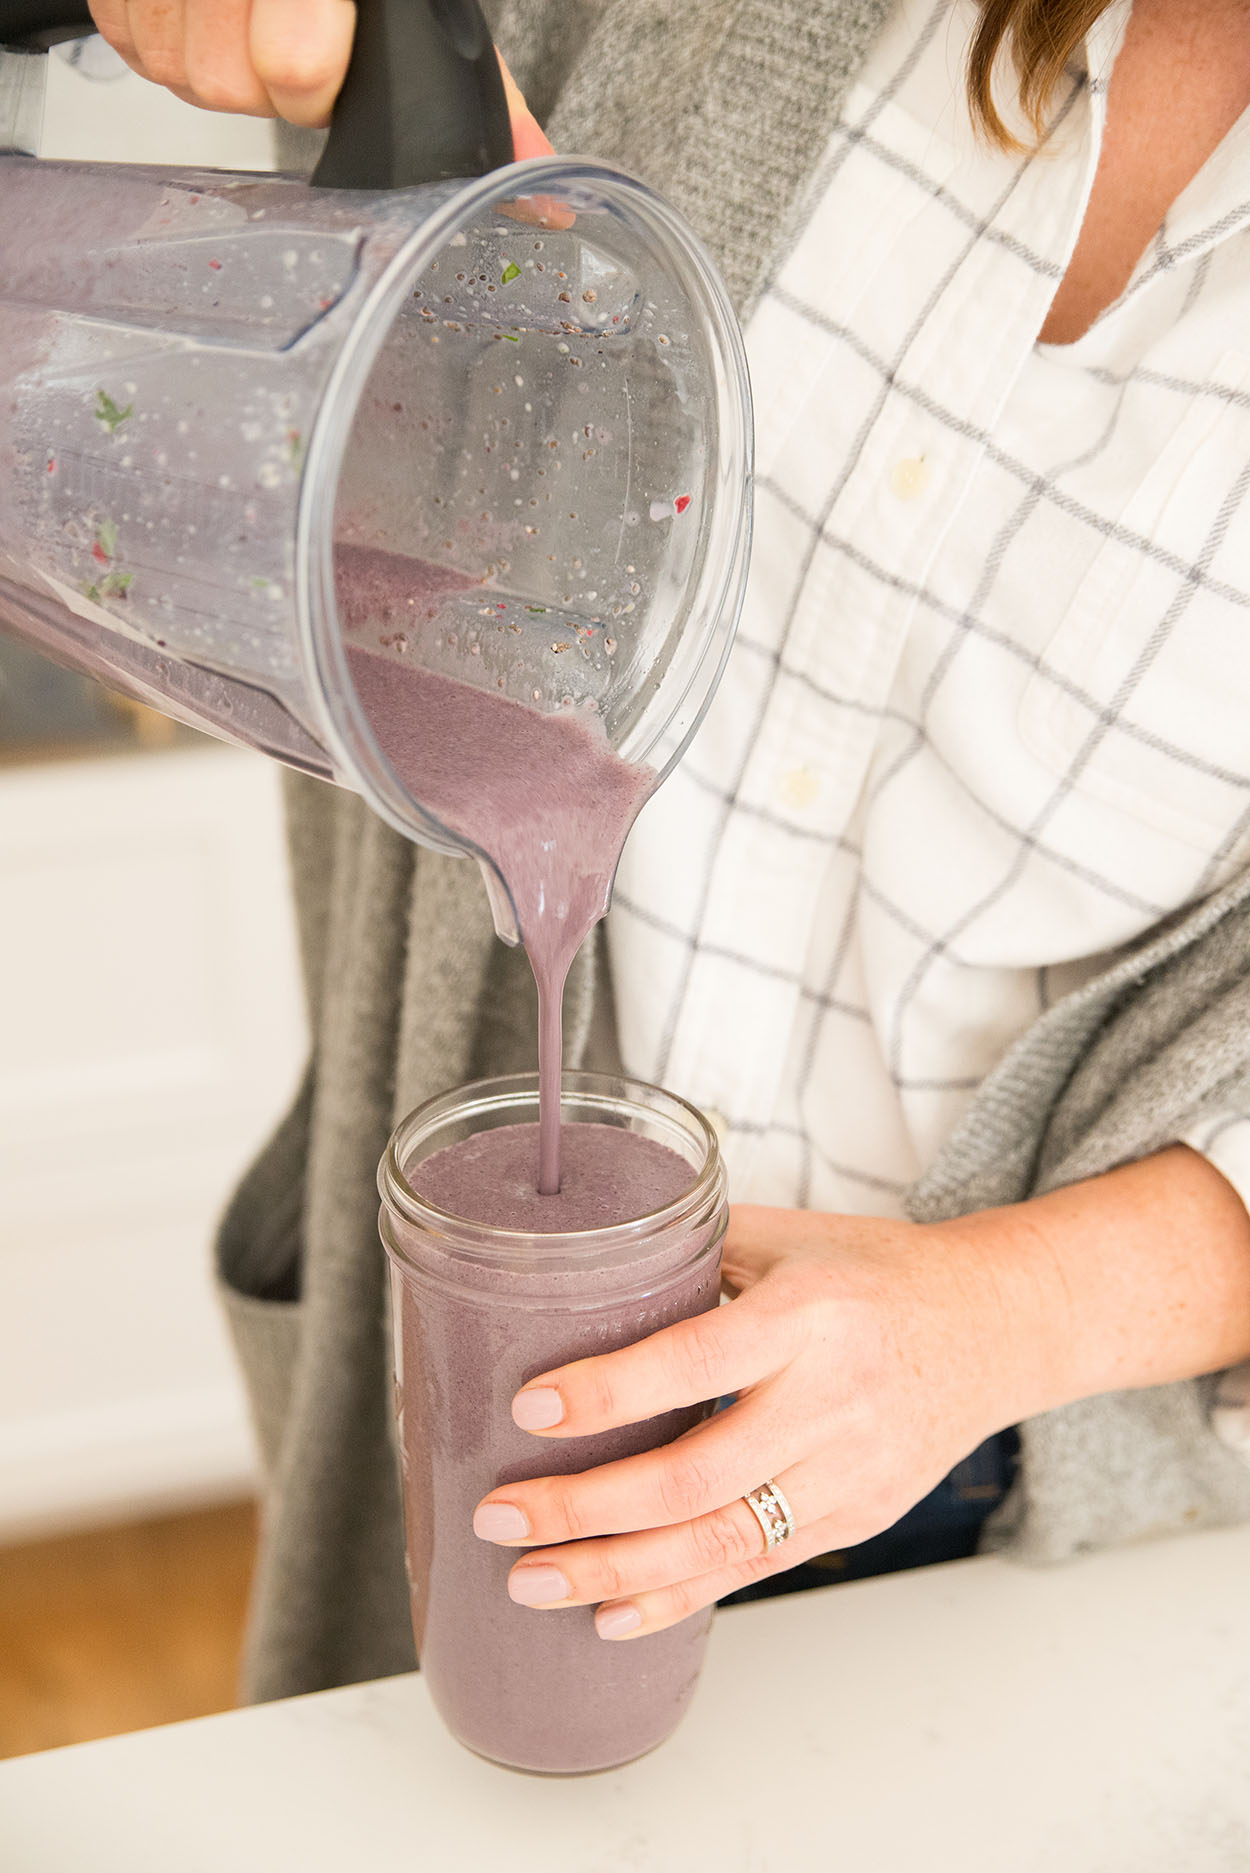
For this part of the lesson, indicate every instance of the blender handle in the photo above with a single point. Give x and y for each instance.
(423, 100)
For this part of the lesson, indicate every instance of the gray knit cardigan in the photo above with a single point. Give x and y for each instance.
(724, 105)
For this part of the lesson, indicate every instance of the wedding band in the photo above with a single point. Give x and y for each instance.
(773, 1513)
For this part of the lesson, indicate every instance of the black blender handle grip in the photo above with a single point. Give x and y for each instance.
(41, 23)
(423, 100)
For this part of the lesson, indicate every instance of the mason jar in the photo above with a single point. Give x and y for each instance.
(479, 1311)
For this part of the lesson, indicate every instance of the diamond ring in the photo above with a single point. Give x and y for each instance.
(773, 1513)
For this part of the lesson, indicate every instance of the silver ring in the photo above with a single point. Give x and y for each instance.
(773, 1513)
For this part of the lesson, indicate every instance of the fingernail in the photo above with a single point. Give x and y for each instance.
(537, 1410)
(499, 1521)
(537, 1586)
(612, 1622)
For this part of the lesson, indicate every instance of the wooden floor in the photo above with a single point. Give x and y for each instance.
(121, 1628)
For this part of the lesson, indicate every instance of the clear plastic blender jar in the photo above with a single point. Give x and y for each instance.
(529, 386)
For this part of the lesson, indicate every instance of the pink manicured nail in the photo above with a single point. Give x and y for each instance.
(537, 1586)
(499, 1521)
(537, 1410)
(612, 1622)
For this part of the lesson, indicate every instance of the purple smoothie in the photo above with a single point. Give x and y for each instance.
(609, 1176)
(537, 1690)
(543, 795)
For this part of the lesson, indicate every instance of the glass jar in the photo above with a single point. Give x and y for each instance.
(478, 1311)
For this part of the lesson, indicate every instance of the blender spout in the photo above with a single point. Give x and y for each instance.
(501, 905)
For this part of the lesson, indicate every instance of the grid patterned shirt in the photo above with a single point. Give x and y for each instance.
(988, 718)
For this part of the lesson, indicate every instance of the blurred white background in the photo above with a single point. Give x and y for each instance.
(152, 1032)
(98, 111)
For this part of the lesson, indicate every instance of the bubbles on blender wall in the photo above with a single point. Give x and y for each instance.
(501, 284)
(583, 415)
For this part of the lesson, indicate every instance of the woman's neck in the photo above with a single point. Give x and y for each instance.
(1179, 85)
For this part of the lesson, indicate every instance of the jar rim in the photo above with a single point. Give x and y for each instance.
(488, 1244)
(720, 588)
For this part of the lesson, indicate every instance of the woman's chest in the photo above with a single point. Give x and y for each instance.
(1075, 665)
(1180, 83)
(1017, 573)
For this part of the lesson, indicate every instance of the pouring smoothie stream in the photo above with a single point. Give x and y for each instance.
(544, 797)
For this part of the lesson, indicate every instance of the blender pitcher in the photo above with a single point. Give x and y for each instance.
(522, 395)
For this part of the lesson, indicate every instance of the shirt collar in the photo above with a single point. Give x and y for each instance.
(1216, 204)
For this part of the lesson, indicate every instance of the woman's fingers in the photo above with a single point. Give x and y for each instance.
(155, 32)
(112, 22)
(528, 137)
(718, 1460)
(299, 50)
(152, 41)
(641, 1613)
(220, 74)
(697, 1360)
(261, 58)
(658, 1558)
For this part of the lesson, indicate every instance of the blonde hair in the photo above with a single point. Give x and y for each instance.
(1042, 35)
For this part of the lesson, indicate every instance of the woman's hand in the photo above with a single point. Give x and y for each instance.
(260, 58)
(869, 1356)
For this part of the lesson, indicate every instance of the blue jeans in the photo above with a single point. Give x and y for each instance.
(945, 1526)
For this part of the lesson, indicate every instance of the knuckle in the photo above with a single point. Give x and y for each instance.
(879, 1509)
(863, 1427)
(562, 1511)
(686, 1598)
(165, 67)
(121, 42)
(781, 1560)
(596, 1392)
(762, 1567)
(220, 74)
(111, 22)
(697, 1361)
(217, 93)
(685, 1482)
(604, 1579)
(301, 70)
(717, 1541)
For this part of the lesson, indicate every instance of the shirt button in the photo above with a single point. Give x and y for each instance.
(910, 477)
(799, 786)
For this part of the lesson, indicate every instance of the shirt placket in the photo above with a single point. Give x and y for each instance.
(937, 405)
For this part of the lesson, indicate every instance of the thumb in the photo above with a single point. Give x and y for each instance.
(528, 135)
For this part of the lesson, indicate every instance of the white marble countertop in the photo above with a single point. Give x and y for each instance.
(973, 1718)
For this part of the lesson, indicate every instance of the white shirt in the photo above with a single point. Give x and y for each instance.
(988, 719)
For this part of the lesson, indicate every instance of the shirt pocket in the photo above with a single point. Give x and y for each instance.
(1141, 699)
